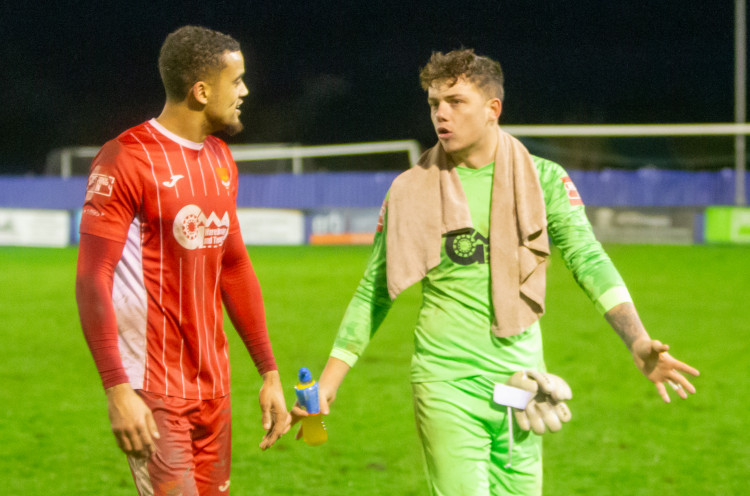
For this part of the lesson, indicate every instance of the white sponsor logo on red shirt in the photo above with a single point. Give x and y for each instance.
(193, 230)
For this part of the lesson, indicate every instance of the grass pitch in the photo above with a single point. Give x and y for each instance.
(622, 440)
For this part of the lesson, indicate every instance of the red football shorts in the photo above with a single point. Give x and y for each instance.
(193, 453)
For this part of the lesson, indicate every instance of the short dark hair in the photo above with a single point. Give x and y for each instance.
(191, 54)
(449, 67)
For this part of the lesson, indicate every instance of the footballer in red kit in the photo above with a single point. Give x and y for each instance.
(160, 251)
(173, 342)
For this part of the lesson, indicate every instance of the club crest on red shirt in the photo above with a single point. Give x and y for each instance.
(223, 174)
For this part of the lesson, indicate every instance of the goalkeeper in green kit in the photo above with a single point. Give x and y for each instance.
(473, 221)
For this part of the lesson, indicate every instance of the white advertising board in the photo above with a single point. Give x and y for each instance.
(649, 225)
(267, 226)
(343, 226)
(23, 227)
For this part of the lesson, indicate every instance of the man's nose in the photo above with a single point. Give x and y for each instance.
(441, 112)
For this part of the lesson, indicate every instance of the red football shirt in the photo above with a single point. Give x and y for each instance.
(172, 202)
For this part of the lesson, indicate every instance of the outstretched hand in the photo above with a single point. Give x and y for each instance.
(653, 360)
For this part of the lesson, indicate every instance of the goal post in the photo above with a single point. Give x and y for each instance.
(297, 152)
(64, 161)
(740, 131)
(61, 161)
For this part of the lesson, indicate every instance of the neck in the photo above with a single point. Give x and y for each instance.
(183, 121)
(479, 154)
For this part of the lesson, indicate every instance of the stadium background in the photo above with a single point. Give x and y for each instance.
(340, 72)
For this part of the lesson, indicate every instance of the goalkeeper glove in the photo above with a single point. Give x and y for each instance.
(547, 409)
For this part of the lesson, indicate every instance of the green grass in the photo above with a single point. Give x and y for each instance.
(622, 440)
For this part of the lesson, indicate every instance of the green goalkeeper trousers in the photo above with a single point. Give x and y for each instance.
(465, 439)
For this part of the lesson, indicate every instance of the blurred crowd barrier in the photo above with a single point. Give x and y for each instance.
(637, 206)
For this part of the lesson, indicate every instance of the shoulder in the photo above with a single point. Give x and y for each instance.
(135, 136)
(551, 174)
(219, 149)
(216, 143)
(122, 155)
(548, 168)
(556, 183)
(130, 143)
(414, 177)
(406, 175)
(115, 151)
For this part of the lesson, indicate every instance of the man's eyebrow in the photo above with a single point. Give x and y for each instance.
(457, 94)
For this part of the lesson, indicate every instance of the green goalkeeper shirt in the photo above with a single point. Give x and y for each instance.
(452, 338)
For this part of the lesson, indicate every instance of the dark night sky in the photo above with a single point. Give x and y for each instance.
(331, 72)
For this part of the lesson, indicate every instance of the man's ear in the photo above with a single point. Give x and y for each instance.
(200, 92)
(494, 109)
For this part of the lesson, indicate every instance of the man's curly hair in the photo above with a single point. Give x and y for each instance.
(449, 67)
(191, 54)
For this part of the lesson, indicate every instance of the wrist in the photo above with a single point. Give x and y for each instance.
(328, 389)
(271, 377)
(118, 389)
(639, 343)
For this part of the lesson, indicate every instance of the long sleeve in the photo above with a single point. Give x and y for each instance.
(571, 232)
(97, 259)
(241, 294)
(368, 307)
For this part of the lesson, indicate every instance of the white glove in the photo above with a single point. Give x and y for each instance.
(547, 410)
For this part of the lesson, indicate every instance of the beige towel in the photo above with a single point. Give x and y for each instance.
(427, 202)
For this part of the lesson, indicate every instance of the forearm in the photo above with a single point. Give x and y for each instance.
(361, 320)
(367, 309)
(333, 374)
(624, 319)
(330, 380)
(590, 265)
(241, 294)
(97, 258)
